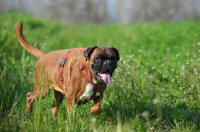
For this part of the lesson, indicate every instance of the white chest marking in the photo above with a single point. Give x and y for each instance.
(88, 92)
(94, 81)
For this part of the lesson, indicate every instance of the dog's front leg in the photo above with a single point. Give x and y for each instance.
(97, 105)
(70, 102)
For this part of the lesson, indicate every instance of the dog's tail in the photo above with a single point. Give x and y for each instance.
(36, 52)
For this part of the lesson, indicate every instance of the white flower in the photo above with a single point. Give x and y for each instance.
(156, 101)
(145, 114)
(183, 67)
(93, 120)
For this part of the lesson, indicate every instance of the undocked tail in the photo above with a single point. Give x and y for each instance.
(36, 52)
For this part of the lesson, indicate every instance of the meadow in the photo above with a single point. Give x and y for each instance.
(156, 86)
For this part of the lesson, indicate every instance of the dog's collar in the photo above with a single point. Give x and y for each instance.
(83, 71)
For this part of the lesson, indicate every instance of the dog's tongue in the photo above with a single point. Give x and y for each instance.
(106, 77)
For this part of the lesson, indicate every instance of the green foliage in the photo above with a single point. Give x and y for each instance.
(156, 86)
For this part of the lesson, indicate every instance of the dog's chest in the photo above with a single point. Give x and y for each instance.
(89, 91)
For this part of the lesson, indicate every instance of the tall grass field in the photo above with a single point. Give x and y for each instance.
(156, 86)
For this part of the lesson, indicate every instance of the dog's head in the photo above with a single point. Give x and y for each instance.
(103, 62)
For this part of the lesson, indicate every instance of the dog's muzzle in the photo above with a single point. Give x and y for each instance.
(103, 71)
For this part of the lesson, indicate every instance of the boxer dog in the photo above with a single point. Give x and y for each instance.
(81, 74)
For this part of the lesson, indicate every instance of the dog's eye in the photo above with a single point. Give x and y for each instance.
(97, 58)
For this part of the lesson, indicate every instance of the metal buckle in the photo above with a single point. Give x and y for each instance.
(62, 63)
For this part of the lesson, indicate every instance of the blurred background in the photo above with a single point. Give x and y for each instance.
(106, 11)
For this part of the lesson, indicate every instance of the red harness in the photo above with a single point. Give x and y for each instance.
(83, 71)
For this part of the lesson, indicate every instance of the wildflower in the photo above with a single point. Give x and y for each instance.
(145, 114)
(195, 72)
(177, 55)
(93, 120)
(182, 74)
(156, 101)
(183, 68)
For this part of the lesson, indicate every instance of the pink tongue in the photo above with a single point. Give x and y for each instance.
(106, 77)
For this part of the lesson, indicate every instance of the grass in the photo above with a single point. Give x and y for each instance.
(156, 86)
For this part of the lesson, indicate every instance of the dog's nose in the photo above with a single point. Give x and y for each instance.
(107, 63)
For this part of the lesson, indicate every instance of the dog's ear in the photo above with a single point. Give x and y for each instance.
(89, 51)
(116, 52)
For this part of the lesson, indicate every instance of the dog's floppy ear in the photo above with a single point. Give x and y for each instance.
(89, 51)
(116, 52)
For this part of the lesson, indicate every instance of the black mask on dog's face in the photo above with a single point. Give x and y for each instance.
(104, 63)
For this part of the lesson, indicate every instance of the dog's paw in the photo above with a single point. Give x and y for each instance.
(94, 110)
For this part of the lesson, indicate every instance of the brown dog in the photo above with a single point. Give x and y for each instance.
(81, 74)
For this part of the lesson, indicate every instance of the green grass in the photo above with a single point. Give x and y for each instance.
(156, 86)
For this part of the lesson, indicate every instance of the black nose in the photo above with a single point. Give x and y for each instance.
(107, 63)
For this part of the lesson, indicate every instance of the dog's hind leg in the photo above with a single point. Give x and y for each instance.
(58, 100)
(29, 100)
(40, 91)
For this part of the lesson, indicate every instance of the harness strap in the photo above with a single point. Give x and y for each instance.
(62, 63)
(85, 74)
(83, 71)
